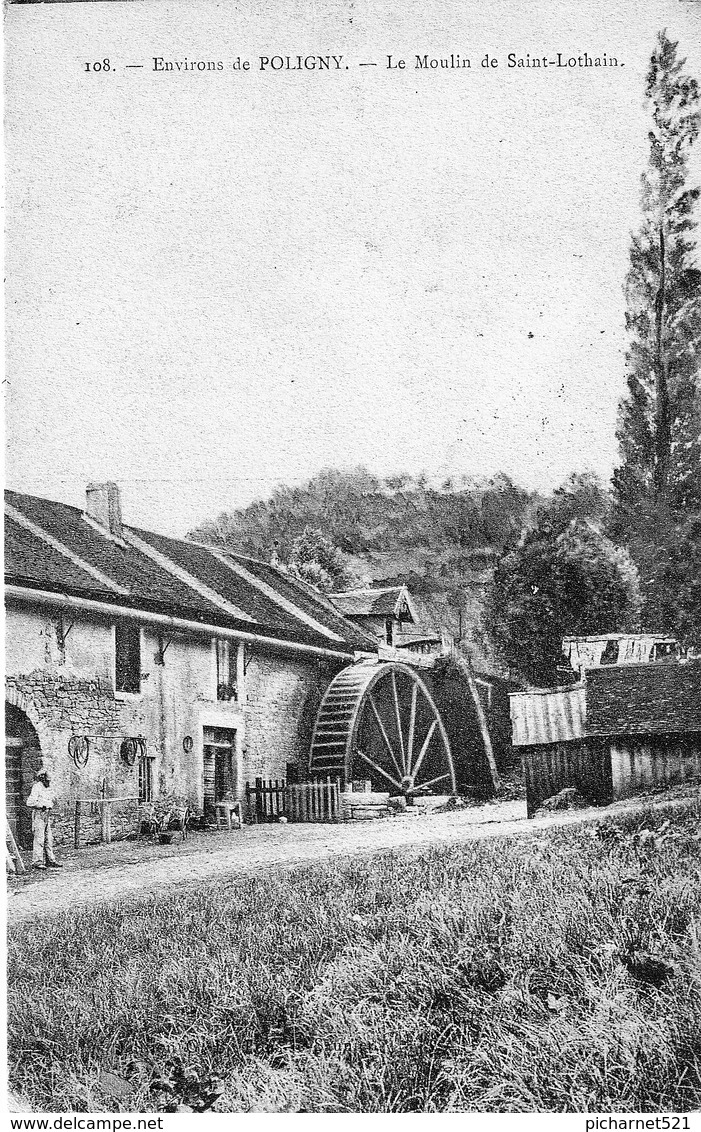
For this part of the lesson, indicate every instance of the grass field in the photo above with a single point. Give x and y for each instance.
(504, 975)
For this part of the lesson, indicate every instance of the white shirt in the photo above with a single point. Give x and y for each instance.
(41, 797)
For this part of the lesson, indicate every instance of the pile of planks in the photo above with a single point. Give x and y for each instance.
(364, 806)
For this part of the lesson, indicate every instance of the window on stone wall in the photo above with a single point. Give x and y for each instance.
(127, 638)
(146, 778)
(226, 670)
(389, 629)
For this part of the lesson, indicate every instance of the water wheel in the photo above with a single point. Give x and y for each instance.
(379, 721)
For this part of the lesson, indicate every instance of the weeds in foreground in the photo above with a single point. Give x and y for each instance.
(503, 976)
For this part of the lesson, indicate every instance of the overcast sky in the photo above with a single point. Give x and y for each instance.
(223, 281)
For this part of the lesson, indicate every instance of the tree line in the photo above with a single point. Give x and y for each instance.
(588, 558)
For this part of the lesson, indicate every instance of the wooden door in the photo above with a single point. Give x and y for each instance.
(22, 760)
(223, 774)
(13, 783)
(219, 766)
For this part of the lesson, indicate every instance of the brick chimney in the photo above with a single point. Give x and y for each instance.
(103, 506)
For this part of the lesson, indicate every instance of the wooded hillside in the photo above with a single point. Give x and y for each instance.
(441, 538)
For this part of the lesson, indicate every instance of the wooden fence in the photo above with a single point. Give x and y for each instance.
(103, 804)
(586, 766)
(269, 800)
(315, 801)
(605, 769)
(265, 800)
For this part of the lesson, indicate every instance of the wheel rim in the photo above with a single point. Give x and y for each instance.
(400, 739)
(381, 722)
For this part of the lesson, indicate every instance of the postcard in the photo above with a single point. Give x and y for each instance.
(352, 557)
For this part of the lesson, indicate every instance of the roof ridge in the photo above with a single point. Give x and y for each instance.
(279, 599)
(55, 544)
(370, 590)
(248, 557)
(211, 546)
(42, 499)
(199, 587)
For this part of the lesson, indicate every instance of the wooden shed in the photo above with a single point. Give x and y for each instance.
(619, 731)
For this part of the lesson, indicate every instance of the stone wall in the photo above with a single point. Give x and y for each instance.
(64, 704)
(67, 691)
(282, 695)
(70, 691)
(60, 707)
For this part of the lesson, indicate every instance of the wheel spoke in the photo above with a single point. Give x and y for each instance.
(412, 728)
(378, 768)
(399, 721)
(424, 749)
(431, 781)
(384, 734)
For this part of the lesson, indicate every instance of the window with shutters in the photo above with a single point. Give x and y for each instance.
(127, 643)
(146, 778)
(226, 670)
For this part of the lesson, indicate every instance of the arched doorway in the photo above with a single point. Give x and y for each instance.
(22, 760)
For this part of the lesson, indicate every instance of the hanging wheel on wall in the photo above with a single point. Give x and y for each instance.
(129, 750)
(379, 721)
(79, 749)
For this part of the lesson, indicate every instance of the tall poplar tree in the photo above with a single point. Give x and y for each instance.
(659, 429)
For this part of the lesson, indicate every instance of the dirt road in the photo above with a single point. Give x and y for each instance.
(135, 870)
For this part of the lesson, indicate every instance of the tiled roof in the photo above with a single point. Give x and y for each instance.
(200, 562)
(189, 580)
(316, 605)
(29, 559)
(634, 699)
(368, 603)
(653, 699)
(122, 563)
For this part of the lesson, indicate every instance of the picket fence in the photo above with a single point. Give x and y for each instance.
(318, 801)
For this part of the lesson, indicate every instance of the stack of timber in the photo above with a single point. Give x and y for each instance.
(364, 807)
(13, 858)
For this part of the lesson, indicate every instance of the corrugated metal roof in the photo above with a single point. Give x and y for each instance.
(633, 648)
(551, 716)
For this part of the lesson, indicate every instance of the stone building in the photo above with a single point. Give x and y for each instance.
(145, 667)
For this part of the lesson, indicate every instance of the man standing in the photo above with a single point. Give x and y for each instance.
(41, 802)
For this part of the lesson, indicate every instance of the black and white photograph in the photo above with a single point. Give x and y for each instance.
(352, 535)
